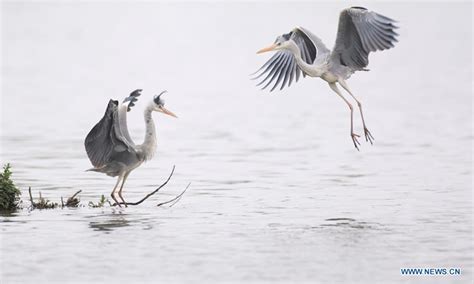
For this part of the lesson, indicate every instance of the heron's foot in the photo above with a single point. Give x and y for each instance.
(355, 141)
(123, 200)
(115, 199)
(368, 136)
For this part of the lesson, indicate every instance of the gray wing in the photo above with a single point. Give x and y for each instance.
(282, 67)
(105, 141)
(360, 32)
(309, 38)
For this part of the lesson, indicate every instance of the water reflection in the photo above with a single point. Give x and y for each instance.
(342, 222)
(8, 215)
(109, 222)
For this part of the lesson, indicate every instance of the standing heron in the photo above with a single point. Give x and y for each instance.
(360, 32)
(109, 146)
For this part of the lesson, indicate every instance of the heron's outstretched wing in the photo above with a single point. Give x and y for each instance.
(312, 45)
(123, 108)
(282, 66)
(360, 32)
(104, 141)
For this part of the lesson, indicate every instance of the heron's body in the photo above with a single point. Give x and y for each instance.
(360, 32)
(109, 146)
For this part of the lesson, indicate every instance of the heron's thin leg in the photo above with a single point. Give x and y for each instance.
(121, 187)
(368, 135)
(353, 135)
(115, 188)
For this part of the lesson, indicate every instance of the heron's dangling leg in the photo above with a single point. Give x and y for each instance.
(368, 135)
(115, 188)
(121, 187)
(353, 135)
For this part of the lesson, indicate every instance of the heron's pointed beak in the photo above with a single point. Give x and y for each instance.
(165, 111)
(269, 48)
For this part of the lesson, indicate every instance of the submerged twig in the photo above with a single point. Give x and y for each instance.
(149, 194)
(31, 198)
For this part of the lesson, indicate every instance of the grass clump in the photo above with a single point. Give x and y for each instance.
(9, 193)
(42, 202)
(100, 204)
(72, 201)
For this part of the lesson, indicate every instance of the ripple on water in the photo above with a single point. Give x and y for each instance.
(344, 222)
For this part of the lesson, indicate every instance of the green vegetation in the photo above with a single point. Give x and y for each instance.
(9, 193)
(99, 204)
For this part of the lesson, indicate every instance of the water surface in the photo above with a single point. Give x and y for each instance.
(278, 192)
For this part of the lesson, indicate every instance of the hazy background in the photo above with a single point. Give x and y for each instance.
(278, 191)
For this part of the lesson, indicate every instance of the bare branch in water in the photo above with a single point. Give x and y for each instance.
(153, 192)
(79, 191)
(176, 199)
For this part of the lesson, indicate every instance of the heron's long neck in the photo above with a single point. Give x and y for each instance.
(307, 68)
(149, 144)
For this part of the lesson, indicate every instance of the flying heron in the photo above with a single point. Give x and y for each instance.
(109, 146)
(360, 32)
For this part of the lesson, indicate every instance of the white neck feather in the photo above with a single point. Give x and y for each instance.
(149, 144)
(310, 69)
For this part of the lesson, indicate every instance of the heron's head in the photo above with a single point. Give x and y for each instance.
(159, 105)
(281, 42)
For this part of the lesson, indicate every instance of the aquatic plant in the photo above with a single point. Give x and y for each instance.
(100, 204)
(9, 193)
(72, 201)
(42, 202)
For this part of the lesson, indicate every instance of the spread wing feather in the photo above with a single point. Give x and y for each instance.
(360, 32)
(105, 139)
(282, 67)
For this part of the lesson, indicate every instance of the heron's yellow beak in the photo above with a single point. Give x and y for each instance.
(165, 111)
(269, 48)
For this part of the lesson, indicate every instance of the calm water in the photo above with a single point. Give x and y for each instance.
(278, 192)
